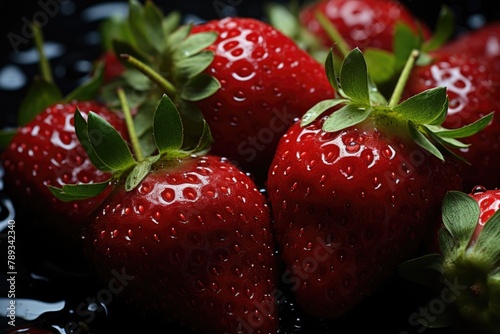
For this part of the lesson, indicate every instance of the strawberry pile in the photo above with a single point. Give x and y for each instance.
(248, 176)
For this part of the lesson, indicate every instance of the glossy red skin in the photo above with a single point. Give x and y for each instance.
(348, 207)
(267, 81)
(113, 67)
(203, 257)
(362, 24)
(489, 203)
(46, 151)
(472, 94)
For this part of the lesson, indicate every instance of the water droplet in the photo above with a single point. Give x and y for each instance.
(168, 195)
(239, 96)
(478, 189)
(189, 193)
(352, 147)
(215, 287)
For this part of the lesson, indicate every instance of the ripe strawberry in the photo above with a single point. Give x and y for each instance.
(466, 269)
(46, 151)
(356, 192)
(191, 231)
(113, 67)
(362, 24)
(472, 93)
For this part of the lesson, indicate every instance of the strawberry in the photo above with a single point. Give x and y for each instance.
(46, 151)
(356, 192)
(362, 24)
(465, 271)
(113, 67)
(248, 80)
(190, 230)
(472, 93)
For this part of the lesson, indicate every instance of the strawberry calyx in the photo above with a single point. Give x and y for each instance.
(109, 152)
(470, 260)
(419, 116)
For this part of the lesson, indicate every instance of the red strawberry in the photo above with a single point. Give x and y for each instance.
(46, 151)
(355, 193)
(362, 24)
(113, 67)
(248, 80)
(472, 93)
(466, 270)
(190, 230)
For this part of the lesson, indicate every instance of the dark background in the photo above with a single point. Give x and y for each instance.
(76, 36)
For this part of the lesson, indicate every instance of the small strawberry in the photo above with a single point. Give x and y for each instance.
(466, 270)
(44, 150)
(472, 93)
(362, 24)
(113, 66)
(356, 192)
(190, 229)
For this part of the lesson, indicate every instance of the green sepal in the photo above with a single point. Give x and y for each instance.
(153, 24)
(199, 88)
(447, 243)
(460, 214)
(424, 142)
(466, 130)
(75, 192)
(40, 95)
(139, 172)
(6, 136)
(171, 22)
(331, 73)
(89, 89)
(425, 270)
(354, 77)
(487, 245)
(187, 68)
(348, 115)
(167, 127)
(194, 44)
(405, 41)
(426, 107)
(443, 31)
(381, 64)
(444, 144)
(175, 38)
(114, 28)
(138, 24)
(108, 144)
(82, 133)
(319, 108)
(205, 141)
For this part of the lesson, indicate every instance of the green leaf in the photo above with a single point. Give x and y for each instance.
(354, 77)
(423, 141)
(143, 119)
(199, 88)
(179, 35)
(312, 114)
(114, 28)
(137, 80)
(89, 89)
(460, 214)
(380, 64)
(467, 130)
(138, 24)
(6, 136)
(74, 192)
(139, 172)
(40, 95)
(281, 18)
(425, 107)
(205, 141)
(330, 70)
(194, 44)
(187, 68)
(487, 244)
(171, 22)
(425, 270)
(108, 144)
(443, 31)
(345, 117)
(81, 130)
(405, 41)
(153, 25)
(168, 129)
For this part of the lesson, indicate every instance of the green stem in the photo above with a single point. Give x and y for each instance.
(136, 147)
(167, 86)
(45, 69)
(333, 33)
(403, 78)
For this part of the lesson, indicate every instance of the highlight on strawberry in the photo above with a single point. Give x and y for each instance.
(193, 229)
(468, 261)
(365, 177)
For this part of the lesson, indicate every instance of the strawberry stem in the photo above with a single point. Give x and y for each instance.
(167, 86)
(130, 125)
(45, 69)
(403, 78)
(333, 33)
